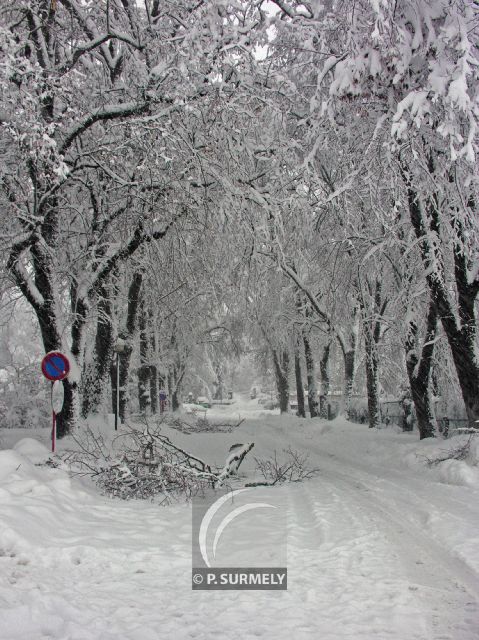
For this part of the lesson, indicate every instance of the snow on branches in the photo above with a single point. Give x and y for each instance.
(147, 464)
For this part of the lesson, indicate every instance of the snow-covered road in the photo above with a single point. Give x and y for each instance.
(405, 584)
(376, 550)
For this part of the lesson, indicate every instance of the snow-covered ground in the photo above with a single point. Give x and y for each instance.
(379, 545)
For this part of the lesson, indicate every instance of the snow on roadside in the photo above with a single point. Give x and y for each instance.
(75, 565)
(441, 499)
(438, 456)
(33, 450)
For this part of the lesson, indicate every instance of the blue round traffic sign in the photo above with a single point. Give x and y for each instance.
(55, 366)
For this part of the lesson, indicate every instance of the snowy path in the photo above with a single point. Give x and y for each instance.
(371, 530)
(387, 564)
(371, 555)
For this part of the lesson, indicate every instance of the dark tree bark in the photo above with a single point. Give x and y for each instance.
(144, 370)
(311, 377)
(460, 335)
(281, 368)
(349, 359)
(175, 403)
(218, 395)
(153, 389)
(96, 373)
(154, 380)
(176, 372)
(325, 381)
(372, 380)
(170, 384)
(175, 378)
(419, 372)
(163, 384)
(371, 316)
(127, 336)
(297, 358)
(299, 385)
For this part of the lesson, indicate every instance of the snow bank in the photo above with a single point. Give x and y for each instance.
(33, 499)
(370, 534)
(33, 450)
(458, 472)
(96, 569)
(438, 458)
(10, 462)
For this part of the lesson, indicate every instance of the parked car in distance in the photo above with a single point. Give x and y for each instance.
(204, 402)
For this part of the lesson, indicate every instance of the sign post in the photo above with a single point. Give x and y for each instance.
(55, 367)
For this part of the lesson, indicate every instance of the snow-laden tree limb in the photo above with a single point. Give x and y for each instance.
(111, 112)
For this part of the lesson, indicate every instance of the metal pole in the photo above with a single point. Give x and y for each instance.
(54, 423)
(117, 412)
(54, 431)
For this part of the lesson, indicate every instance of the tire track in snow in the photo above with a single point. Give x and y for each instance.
(336, 561)
(444, 586)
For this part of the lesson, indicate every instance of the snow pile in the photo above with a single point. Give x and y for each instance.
(458, 472)
(376, 548)
(453, 461)
(33, 450)
(33, 499)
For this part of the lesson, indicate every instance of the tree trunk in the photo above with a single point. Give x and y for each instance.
(299, 385)
(175, 404)
(372, 314)
(154, 389)
(325, 381)
(281, 367)
(461, 336)
(218, 394)
(462, 348)
(144, 370)
(154, 380)
(40, 293)
(96, 372)
(170, 384)
(349, 358)
(127, 335)
(68, 417)
(419, 372)
(311, 378)
(175, 378)
(163, 386)
(176, 372)
(372, 379)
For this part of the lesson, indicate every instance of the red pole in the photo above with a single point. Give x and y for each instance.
(54, 431)
(54, 422)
